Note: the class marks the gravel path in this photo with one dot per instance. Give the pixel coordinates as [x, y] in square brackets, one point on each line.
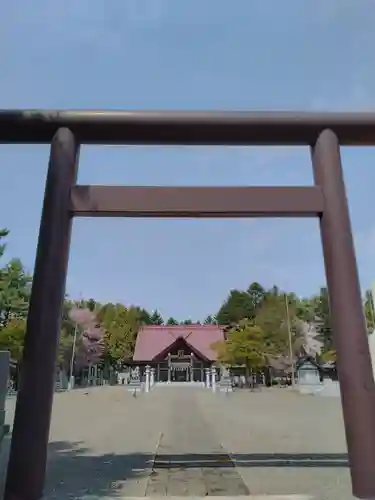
[190, 442]
[283, 442]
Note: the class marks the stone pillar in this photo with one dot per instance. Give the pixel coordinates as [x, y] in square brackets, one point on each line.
[89, 377]
[208, 378]
[58, 381]
[147, 384]
[152, 379]
[71, 383]
[169, 368]
[213, 374]
[347, 316]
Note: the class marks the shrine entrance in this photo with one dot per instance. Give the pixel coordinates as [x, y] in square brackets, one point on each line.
[63, 200]
[180, 372]
[181, 365]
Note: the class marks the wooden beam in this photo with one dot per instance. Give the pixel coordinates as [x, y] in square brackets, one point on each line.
[196, 202]
[35, 126]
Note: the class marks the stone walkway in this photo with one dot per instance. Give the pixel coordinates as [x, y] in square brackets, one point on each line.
[189, 442]
[189, 458]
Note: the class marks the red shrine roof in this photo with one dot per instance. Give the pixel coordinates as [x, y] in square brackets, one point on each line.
[154, 339]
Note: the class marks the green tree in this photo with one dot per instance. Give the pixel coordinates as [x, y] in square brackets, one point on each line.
[305, 309]
[328, 356]
[144, 316]
[14, 292]
[246, 344]
[272, 319]
[65, 350]
[14, 300]
[369, 311]
[91, 305]
[156, 318]
[322, 314]
[241, 304]
[67, 324]
[283, 332]
[12, 337]
[257, 295]
[121, 327]
[172, 321]
[3, 234]
[237, 306]
[209, 320]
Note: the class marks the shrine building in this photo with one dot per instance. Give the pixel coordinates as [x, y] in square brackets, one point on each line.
[178, 353]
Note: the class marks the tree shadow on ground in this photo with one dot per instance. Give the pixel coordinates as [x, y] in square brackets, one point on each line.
[73, 472]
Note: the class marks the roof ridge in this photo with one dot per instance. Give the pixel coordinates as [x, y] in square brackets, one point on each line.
[153, 339]
[172, 327]
[172, 335]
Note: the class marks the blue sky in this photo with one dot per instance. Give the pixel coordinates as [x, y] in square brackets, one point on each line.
[187, 54]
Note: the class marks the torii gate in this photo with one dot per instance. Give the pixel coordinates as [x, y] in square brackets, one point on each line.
[63, 200]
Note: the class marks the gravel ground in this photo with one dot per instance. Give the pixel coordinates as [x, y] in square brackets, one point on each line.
[102, 443]
[185, 442]
[283, 442]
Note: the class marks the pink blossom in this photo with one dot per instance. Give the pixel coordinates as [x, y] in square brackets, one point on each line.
[94, 333]
[91, 347]
[83, 317]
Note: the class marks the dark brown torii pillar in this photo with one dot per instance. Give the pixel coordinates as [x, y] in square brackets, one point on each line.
[28, 454]
[347, 316]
